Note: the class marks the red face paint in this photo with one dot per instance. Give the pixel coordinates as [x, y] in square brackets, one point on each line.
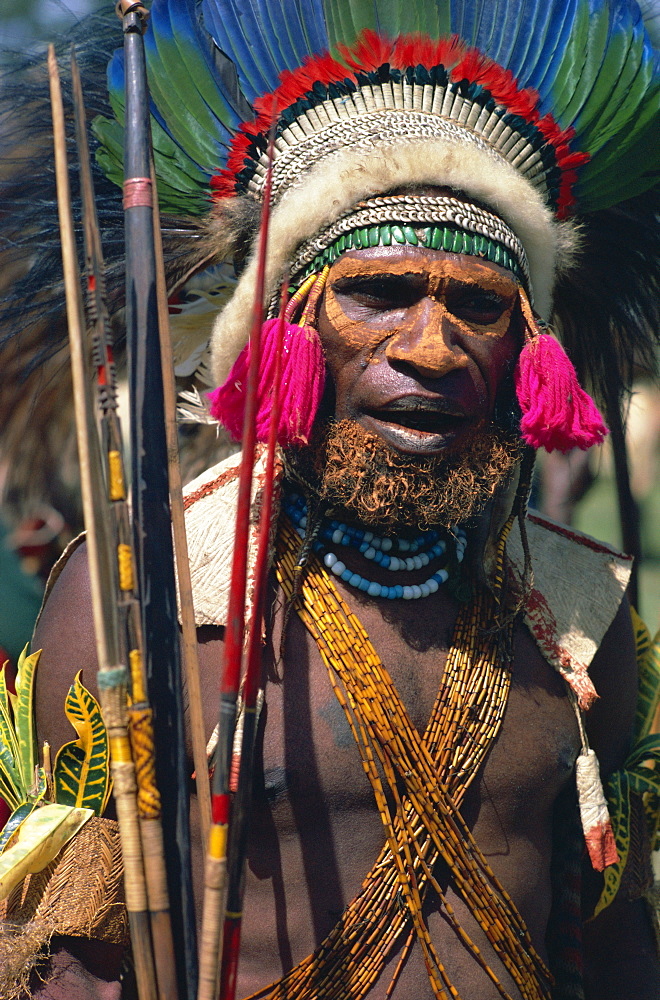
[418, 341]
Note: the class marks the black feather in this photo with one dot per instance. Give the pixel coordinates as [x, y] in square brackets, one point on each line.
[37, 443]
[607, 308]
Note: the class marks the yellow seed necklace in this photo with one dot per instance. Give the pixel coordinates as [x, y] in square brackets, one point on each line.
[427, 778]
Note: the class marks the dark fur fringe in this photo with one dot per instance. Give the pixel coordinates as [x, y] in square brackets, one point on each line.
[37, 447]
[607, 308]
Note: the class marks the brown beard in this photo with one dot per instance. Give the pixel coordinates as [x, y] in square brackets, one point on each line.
[353, 470]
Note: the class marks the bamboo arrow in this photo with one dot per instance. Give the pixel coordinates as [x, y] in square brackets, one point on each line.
[112, 675]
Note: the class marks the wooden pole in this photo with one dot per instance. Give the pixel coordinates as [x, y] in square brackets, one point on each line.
[112, 675]
[188, 630]
[240, 825]
[140, 712]
[152, 534]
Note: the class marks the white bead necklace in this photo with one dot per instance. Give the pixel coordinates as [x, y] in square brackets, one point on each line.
[391, 554]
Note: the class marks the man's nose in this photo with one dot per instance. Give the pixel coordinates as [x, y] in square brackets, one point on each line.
[427, 341]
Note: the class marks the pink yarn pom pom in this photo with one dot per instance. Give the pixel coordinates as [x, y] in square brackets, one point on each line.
[557, 412]
[303, 380]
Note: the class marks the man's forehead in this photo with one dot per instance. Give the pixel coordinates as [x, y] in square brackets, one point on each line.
[410, 260]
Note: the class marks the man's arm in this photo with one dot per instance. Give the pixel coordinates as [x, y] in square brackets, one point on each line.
[80, 969]
[621, 959]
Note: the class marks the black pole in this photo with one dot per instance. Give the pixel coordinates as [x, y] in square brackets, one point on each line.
[151, 513]
[629, 512]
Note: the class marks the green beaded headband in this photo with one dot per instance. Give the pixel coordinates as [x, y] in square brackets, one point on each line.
[436, 237]
[438, 222]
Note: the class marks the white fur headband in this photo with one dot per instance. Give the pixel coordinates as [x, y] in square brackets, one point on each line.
[343, 178]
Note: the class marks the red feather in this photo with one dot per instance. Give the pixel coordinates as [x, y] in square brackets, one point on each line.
[419, 50]
[368, 54]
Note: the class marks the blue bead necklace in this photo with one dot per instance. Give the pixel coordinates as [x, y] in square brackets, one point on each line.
[391, 554]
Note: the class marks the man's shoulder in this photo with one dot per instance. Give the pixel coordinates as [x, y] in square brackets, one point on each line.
[578, 586]
[210, 503]
[213, 482]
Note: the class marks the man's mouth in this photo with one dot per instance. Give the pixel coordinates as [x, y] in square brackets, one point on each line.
[414, 424]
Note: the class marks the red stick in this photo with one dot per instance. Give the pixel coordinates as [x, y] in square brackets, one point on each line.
[214, 880]
[241, 810]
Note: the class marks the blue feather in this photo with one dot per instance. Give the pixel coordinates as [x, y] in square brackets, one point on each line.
[531, 38]
[196, 53]
[279, 19]
[490, 28]
[465, 20]
[305, 26]
[242, 40]
[312, 21]
[115, 80]
[541, 76]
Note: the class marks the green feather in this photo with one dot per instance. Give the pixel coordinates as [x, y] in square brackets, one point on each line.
[602, 94]
[611, 178]
[568, 77]
[182, 186]
[591, 67]
[179, 101]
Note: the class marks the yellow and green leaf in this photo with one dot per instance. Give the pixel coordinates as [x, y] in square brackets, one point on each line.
[11, 786]
[23, 706]
[649, 690]
[648, 663]
[618, 798]
[14, 821]
[7, 732]
[81, 773]
[40, 838]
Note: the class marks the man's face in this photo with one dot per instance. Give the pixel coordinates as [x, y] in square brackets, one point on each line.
[417, 344]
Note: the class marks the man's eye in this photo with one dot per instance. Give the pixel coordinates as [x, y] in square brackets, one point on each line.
[478, 307]
[379, 293]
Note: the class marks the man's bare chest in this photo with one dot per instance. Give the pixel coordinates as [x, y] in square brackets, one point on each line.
[309, 753]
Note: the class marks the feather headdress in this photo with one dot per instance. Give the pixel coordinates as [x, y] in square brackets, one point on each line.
[543, 112]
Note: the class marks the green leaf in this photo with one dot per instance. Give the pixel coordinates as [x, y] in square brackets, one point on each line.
[11, 787]
[14, 821]
[8, 736]
[23, 705]
[618, 802]
[40, 839]
[649, 690]
[81, 773]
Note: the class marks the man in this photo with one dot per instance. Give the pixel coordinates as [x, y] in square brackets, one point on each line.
[420, 688]
[419, 344]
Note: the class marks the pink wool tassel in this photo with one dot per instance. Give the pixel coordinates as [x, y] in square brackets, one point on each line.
[303, 381]
[557, 412]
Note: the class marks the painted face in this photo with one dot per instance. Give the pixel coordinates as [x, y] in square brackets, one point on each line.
[417, 343]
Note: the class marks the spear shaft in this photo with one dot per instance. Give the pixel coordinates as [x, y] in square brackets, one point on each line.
[152, 525]
[112, 675]
[140, 712]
